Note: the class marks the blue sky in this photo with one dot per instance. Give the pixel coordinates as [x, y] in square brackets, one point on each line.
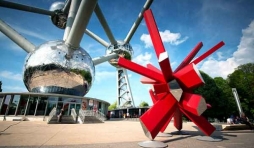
[182, 24]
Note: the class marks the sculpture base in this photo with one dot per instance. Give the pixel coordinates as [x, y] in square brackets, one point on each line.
[152, 144]
[208, 138]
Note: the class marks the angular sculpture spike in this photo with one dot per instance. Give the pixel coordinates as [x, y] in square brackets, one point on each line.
[189, 76]
[165, 66]
[190, 56]
[200, 121]
[154, 33]
[150, 66]
[145, 80]
[178, 121]
[209, 52]
[154, 119]
[140, 69]
[193, 103]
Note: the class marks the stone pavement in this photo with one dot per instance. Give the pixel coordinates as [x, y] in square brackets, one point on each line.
[111, 134]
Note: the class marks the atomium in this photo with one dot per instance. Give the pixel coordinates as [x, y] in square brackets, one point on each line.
[63, 67]
[48, 69]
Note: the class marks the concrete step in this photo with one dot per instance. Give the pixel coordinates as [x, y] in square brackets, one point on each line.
[65, 120]
[91, 119]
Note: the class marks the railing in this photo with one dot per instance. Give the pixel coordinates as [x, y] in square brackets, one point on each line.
[74, 114]
[88, 112]
[97, 114]
[51, 114]
[101, 116]
[82, 115]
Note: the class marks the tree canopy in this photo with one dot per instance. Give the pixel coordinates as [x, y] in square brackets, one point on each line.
[112, 106]
[243, 80]
[215, 96]
[143, 104]
[218, 92]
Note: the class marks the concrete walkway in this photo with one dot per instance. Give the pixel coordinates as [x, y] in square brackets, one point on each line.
[111, 134]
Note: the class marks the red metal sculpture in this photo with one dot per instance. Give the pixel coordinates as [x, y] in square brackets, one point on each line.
[166, 106]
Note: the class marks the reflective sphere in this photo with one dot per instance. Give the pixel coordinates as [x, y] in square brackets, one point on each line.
[48, 69]
[56, 6]
[123, 49]
[59, 19]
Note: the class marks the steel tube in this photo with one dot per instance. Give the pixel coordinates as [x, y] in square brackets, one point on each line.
[71, 16]
[17, 6]
[138, 21]
[104, 24]
[105, 58]
[82, 18]
[16, 37]
[97, 38]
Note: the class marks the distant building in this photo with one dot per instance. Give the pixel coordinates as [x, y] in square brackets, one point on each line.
[35, 105]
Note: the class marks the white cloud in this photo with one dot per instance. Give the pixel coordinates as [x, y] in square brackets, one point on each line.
[143, 59]
[220, 55]
[166, 36]
[244, 54]
[11, 75]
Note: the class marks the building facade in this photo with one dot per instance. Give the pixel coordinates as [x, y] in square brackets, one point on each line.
[41, 104]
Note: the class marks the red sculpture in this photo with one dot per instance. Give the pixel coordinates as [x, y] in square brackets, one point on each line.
[166, 106]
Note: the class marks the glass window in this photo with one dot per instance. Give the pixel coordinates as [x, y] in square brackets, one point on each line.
[42, 103]
[13, 105]
[52, 98]
[22, 104]
[78, 106]
[71, 106]
[5, 104]
[51, 105]
[31, 105]
[71, 100]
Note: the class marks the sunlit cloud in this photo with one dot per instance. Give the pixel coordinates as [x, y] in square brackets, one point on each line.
[143, 59]
[166, 36]
[11, 75]
[243, 54]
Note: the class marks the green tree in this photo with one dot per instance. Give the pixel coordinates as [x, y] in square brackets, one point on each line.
[112, 106]
[228, 100]
[213, 95]
[243, 80]
[143, 104]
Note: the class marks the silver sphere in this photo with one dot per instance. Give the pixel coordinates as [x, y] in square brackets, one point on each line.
[56, 6]
[59, 19]
[48, 69]
[122, 49]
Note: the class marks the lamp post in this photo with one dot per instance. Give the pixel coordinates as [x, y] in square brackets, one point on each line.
[237, 101]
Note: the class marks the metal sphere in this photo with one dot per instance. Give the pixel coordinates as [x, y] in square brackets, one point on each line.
[122, 49]
[48, 69]
[56, 6]
[59, 19]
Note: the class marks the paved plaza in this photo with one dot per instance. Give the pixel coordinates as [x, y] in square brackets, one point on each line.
[111, 134]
